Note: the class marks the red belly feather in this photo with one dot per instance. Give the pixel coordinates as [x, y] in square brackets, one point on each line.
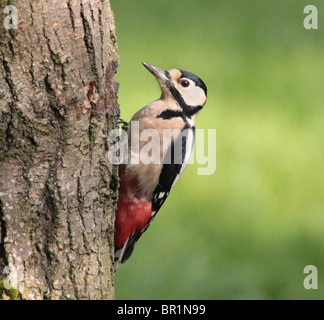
[134, 210]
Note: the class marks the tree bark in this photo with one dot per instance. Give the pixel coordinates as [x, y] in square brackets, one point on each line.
[58, 191]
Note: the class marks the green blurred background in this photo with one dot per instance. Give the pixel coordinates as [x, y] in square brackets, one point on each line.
[247, 231]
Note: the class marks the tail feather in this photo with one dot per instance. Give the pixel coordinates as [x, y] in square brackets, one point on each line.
[118, 257]
[126, 251]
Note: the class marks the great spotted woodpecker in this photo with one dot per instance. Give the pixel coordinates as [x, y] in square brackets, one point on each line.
[144, 185]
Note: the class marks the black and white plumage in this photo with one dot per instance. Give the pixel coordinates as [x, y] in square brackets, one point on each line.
[174, 163]
[145, 185]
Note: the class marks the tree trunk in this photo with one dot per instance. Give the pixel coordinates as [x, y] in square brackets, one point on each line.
[58, 191]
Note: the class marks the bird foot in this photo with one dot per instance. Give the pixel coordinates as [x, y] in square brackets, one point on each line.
[123, 123]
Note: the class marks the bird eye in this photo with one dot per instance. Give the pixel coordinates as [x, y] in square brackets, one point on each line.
[185, 83]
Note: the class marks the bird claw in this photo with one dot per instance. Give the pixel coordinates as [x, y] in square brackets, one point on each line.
[122, 121]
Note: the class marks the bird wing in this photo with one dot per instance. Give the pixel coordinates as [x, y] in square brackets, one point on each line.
[175, 160]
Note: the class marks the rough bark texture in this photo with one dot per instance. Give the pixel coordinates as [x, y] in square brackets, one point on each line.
[58, 191]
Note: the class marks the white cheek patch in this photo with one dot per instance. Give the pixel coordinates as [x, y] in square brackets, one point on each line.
[193, 95]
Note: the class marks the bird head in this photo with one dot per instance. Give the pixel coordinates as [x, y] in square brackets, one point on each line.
[183, 86]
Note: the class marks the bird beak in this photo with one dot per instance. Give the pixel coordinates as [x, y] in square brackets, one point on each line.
[157, 72]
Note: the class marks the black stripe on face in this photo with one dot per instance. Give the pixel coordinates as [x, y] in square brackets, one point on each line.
[188, 111]
[192, 110]
[177, 96]
[175, 93]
